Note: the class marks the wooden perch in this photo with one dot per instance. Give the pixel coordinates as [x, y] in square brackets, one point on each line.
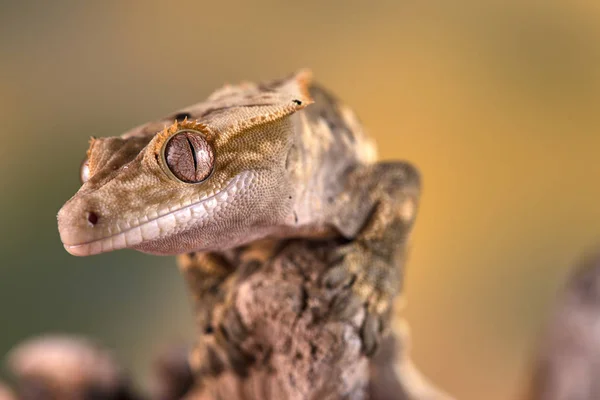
[278, 333]
[270, 330]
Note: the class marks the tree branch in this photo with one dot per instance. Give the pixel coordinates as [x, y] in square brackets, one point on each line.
[269, 330]
[281, 334]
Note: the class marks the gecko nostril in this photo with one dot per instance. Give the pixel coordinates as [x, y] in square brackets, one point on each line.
[92, 218]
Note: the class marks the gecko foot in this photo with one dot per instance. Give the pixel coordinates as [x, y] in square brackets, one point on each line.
[364, 279]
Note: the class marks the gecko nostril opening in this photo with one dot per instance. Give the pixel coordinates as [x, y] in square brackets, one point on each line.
[92, 218]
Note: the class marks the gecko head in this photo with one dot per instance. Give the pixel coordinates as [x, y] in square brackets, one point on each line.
[214, 180]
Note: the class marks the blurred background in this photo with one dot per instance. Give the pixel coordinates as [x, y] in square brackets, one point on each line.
[495, 101]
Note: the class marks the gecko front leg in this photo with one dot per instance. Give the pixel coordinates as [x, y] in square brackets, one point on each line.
[377, 211]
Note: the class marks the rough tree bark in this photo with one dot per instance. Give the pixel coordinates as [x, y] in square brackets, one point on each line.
[269, 329]
[279, 333]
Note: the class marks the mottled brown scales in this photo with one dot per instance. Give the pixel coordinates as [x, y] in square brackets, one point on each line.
[294, 182]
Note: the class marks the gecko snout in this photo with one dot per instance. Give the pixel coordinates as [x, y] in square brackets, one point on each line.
[79, 223]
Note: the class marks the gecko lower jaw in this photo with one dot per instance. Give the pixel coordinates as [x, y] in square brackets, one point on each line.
[169, 223]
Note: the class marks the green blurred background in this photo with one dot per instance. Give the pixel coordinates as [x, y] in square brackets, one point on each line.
[495, 101]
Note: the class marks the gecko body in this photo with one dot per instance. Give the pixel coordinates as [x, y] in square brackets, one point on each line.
[276, 161]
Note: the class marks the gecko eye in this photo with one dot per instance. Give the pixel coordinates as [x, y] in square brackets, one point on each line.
[84, 171]
[189, 156]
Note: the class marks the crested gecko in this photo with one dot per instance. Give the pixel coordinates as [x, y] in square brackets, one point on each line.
[276, 160]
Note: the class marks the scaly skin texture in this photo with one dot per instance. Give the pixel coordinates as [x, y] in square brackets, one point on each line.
[290, 162]
[284, 168]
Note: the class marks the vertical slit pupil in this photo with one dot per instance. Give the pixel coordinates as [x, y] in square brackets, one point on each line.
[177, 158]
[193, 153]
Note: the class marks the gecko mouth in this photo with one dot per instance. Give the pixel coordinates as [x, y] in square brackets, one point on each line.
[171, 222]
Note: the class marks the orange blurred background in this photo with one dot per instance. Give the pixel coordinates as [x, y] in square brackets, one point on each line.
[495, 101]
